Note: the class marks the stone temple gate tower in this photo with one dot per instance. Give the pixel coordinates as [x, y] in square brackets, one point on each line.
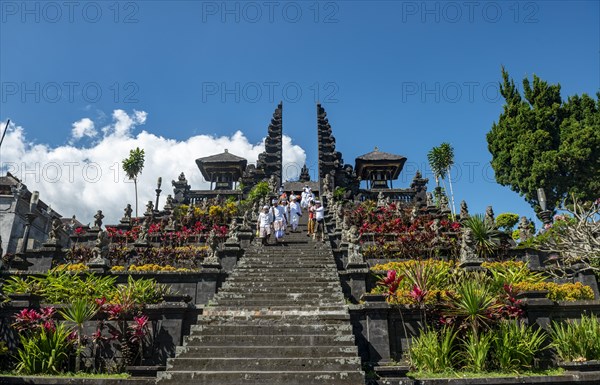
[270, 161]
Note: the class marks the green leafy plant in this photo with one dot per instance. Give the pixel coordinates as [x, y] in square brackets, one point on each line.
[139, 291]
[476, 350]
[78, 312]
[576, 341]
[486, 237]
[44, 352]
[259, 191]
[516, 345]
[434, 351]
[511, 273]
[473, 304]
[507, 221]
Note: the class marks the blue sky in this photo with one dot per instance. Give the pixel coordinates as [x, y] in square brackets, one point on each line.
[401, 75]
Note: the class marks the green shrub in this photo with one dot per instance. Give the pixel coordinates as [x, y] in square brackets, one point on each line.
[476, 351]
[486, 237]
[44, 352]
[511, 273]
[558, 291]
[516, 345]
[577, 340]
[434, 351]
[61, 287]
[507, 221]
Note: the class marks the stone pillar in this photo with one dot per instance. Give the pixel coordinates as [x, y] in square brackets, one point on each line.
[229, 255]
[377, 332]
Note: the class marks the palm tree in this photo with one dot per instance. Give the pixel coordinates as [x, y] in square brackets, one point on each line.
[441, 159]
[79, 312]
[133, 167]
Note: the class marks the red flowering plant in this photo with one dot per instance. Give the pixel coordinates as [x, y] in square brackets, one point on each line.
[30, 320]
[127, 335]
[392, 233]
[390, 283]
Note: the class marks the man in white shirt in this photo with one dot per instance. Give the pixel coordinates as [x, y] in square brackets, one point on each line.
[295, 212]
[263, 225]
[320, 218]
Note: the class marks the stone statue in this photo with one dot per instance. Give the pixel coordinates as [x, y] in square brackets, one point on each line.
[98, 220]
[169, 203]
[171, 223]
[489, 217]
[524, 229]
[327, 182]
[430, 202]
[346, 230]
[273, 184]
[436, 229]
[414, 214]
[143, 235]
[233, 232]
[127, 214]
[339, 213]
[100, 250]
[190, 211]
[380, 199]
[247, 221]
[53, 235]
[254, 213]
[355, 258]
[468, 252]
[464, 211]
[149, 208]
[72, 224]
[213, 247]
[444, 207]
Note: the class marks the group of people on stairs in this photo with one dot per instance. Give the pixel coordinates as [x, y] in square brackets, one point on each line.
[282, 215]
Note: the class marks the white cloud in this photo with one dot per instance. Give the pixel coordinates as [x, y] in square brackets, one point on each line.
[83, 127]
[80, 180]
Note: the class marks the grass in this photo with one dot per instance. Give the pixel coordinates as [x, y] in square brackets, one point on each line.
[422, 375]
[68, 375]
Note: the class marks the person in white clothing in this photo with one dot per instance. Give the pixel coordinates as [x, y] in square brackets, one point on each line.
[320, 218]
[304, 197]
[263, 225]
[279, 223]
[295, 212]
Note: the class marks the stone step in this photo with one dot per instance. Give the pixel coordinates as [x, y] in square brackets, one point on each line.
[250, 303]
[277, 265]
[263, 364]
[269, 268]
[280, 289]
[265, 351]
[287, 309]
[252, 318]
[287, 279]
[271, 329]
[274, 340]
[262, 377]
[297, 295]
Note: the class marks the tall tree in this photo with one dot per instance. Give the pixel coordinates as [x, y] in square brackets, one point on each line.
[542, 141]
[441, 159]
[133, 167]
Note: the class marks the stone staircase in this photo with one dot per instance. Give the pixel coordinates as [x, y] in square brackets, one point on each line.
[280, 318]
